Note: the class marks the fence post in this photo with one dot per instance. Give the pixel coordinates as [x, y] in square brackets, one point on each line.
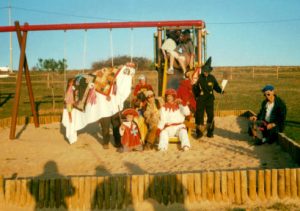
[244, 186]
[281, 185]
[217, 186]
[293, 183]
[224, 185]
[230, 185]
[268, 183]
[274, 183]
[252, 184]
[1, 189]
[298, 181]
[237, 187]
[261, 184]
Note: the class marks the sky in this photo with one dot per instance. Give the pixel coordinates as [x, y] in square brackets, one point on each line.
[241, 32]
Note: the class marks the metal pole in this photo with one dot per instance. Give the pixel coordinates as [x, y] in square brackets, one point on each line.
[199, 43]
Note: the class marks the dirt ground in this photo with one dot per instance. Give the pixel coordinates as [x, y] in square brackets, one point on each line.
[45, 152]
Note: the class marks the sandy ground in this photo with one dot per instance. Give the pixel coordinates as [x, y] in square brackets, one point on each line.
[45, 152]
[38, 151]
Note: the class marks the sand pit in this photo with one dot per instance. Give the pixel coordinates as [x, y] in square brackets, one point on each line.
[34, 148]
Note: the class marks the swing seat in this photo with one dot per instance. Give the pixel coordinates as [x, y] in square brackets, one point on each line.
[190, 125]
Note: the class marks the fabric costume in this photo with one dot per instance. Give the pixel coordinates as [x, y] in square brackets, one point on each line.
[203, 91]
[277, 116]
[131, 138]
[171, 124]
[185, 93]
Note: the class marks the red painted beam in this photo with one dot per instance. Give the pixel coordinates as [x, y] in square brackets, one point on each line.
[108, 25]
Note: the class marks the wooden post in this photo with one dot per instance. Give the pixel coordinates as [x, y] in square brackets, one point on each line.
[293, 183]
[23, 192]
[134, 189]
[121, 192]
[179, 195]
[252, 184]
[230, 185]
[146, 186]
[151, 187]
[8, 191]
[113, 193]
[18, 191]
[204, 185]
[159, 44]
[1, 189]
[298, 181]
[100, 192]
[35, 190]
[197, 177]
[52, 193]
[191, 187]
[107, 192]
[199, 50]
[261, 185]
[18, 83]
[287, 182]
[224, 186]
[41, 194]
[237, 187]
[165, 189]
[75, 198]
[244, 187]
[128, 197]
[172, 188]
[210, 186]
[141, 188]
[217, 189]
[281, 183]
[184, 188]
[268, 183]
[87, 192]
[274, 183]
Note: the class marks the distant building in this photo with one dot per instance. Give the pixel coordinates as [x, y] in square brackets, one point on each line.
[4, 72]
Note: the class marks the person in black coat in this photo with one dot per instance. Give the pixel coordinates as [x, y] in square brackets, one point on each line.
[203, 91]
[271, 117]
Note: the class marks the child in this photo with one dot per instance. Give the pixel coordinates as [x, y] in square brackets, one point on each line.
[131, 137]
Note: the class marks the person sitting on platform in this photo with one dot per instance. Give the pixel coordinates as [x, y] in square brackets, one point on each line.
[171, 123]
[131, 137]
[270, 119]
[151, 115]
[169, 46]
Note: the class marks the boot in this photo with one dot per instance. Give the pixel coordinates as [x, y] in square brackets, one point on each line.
[200, 129]
[210, 130]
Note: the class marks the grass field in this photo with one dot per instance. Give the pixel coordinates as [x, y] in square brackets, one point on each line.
[242, 92]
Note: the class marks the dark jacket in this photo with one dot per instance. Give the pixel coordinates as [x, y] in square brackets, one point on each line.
[278, 113]
[204, 87]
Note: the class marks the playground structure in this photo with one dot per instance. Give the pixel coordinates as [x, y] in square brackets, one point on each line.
[22, 32]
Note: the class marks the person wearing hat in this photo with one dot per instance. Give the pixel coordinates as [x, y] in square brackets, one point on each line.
[151, 116]
[171, 122]
[184, 53]
[129, 131]
[270, 119]
[203, 91]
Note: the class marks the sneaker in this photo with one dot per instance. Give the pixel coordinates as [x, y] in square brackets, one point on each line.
[170, 71]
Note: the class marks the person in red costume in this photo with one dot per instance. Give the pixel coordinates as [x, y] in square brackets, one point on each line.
[131, 137]
[142, 86]
[185, 92]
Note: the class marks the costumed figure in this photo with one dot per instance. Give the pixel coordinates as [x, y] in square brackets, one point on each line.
[185, 90]
[204, 93]
[171, 123]
[139, 98]
[129, 131]
[270, 120]
[152, 115]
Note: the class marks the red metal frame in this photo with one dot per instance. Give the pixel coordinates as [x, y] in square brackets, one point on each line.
[108, 25]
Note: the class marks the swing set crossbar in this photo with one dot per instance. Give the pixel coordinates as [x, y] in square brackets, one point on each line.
[107, 25]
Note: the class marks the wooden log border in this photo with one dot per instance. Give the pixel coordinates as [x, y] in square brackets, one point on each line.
[121, 191]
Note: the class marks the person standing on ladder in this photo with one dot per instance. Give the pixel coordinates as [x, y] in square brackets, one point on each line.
[203, 91]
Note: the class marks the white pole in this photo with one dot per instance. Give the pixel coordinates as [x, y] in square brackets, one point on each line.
[10, 39]
[84, 50]
[111, 48]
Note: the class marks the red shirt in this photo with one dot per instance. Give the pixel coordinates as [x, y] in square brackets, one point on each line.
[185, 93]
[139, 87]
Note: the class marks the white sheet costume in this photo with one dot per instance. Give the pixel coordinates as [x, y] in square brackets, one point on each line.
[102, 108]
[172, 124]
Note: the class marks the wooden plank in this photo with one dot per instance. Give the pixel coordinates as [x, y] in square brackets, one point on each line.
[100, 192]
[281, 183]
[128, 198]
[146, 186]
[252, 184]
[224, 185]
[274, 184]
[217, 187]
[18, 191]
[35, 190]
[121, 191]
[52, 193]
[93, 192]
[298, 181]
[268, 183]
[293, 183]
[197, 177]
[64, 192]
[210, 186]
[58, 198]
[287, 173]
[47, 193]
[151, 187]
[237, 187]
[244, 187]
[75, 198]
[261, 185]
[29, 197]
[191, 187]
[172, 179]
[230, 186]
[158, 188]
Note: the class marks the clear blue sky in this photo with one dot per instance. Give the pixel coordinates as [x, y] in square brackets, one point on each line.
[256, 32]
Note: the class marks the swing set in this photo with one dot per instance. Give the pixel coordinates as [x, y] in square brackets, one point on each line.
[199, 40]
